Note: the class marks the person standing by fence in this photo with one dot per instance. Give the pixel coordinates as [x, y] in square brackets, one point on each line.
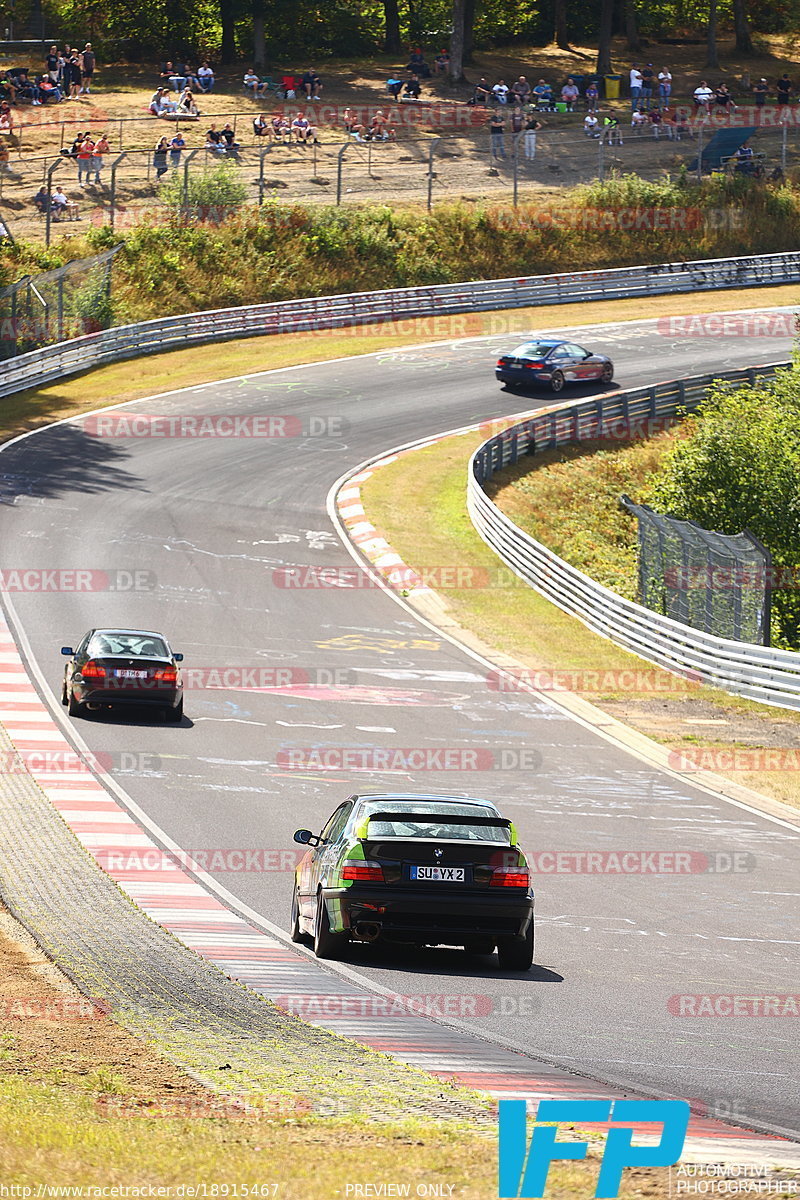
[85, 158]
[88, 64]
[497, 130]
[101, 147]
[176, 148]
[160, 157]
[532, 127]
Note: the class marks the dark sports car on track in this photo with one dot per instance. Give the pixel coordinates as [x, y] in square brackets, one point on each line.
[423, 870]
[547, 361]
[122, 666]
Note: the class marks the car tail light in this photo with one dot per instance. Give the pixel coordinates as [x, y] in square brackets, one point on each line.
[166, 675]
[363, 871]
[93, 670]
[533, 366]
[516, 879]
[501, 362]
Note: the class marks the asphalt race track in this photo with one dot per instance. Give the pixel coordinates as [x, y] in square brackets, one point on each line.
[215, 520]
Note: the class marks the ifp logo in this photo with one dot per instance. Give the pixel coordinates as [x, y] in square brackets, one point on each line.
[523, 1170]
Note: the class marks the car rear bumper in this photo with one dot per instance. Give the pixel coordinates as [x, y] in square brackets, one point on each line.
[509, 375]
[154, 697]
[431, 915]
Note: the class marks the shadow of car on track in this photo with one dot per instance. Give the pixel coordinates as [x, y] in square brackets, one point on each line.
[572, 391]
[144, 717]
[450, 962]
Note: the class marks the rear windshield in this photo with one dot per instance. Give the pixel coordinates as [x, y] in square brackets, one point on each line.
[133, 644]
[433, 827]
[533, 349]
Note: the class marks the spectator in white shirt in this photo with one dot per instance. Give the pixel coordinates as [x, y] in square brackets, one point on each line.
[590, 125]
[500, 92]
[205, 77]
[703, 95]
[638, 120]
[664, 85]
[636, 86]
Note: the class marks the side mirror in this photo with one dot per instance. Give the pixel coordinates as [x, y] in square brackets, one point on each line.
[67, 650]
[178, 657]
[306, 838]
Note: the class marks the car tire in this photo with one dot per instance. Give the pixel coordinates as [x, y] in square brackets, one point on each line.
[607, 373]
[326, 943]
[174, 715]
[64, 695]
[556, 382]
[516, 954]
[479, 946]
[295, 932]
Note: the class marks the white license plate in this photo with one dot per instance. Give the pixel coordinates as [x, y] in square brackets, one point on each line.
[439, 874]
[131, 674]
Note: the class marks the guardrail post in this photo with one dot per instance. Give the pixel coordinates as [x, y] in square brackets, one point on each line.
[700, 132]
[339, 159]
[515, 164]
[263, 152]
[600, 158]
[784, 131]
[192, 154]
[432, 150]
[49, 214]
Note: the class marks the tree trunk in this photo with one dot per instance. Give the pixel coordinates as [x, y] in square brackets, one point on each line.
[469, 30]
[391, 27]
[227, 50]
[744, 42]
[632, 26]
[457, 43]
[560, 14]
[712, 56]
[259, 48]
[604, 37]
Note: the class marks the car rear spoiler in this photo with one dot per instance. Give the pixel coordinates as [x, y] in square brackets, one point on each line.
[447, 818]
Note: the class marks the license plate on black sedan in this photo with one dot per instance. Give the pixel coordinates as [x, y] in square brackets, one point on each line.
[438, 874]
[131, 674]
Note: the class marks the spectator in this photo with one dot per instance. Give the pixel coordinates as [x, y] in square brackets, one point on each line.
[251, 82]
[636, 86]
[638, 120]
[647, 84]
[52, 64]
[280, 129]
[784, 89]
[664, 85]
[8, 88]
[59, 203]
[311, 84]
[85, 154]
[301, 130]
[500, 92]
[47, 91]
[724, 99]
[569, 94]
[260, 125]
[6, 119]
[612, 134]
[703, 96]
[591, 96]
[161, 105]
[5, 163]
[417, 64]
[590, 124]
[176, 147]
[42, 200]
[25, 88]
[205, 77]
[441, 64]
[71, 77]
[394, 87]
[229, 142]
[101, 147]
[160, 157]
[497, 131]
[743, 159]
[88, 65]
[532, 127]
[381, 128]
[186, 73]
[412, 88]
[186, 104]
[521, 90]
[544, 95]
[655, 121]
[215, 141]
[760, 91]
[482, 92]
[170, 74]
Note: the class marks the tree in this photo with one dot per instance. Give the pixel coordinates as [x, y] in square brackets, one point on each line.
[744, 42]
[632, 26]
[227, 16]
[560, 15]
[604, 37]
[712, 56]
[469, 29]
[259, 47]
[391, 27]
[457, 42]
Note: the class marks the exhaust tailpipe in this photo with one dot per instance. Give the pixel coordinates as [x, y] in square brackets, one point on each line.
[367, 931]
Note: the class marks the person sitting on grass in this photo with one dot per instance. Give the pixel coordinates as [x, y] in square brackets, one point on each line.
[590, 124]
[301, 130]
[656, 121]
[638, 120]
[417, 64]
[186, 104]
[160, 103]
[412, 88]
[381, 129]
[232, 147]
[48, 91]
[311, 84]
[280, 130]
[260, 125]
[543, 94]
[205, 77]
[59, 203]
[441, 64]
[570, 94]
[215, 140]
[251, 82]
[482, 92]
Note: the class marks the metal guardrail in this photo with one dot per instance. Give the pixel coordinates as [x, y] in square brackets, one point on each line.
[329, 312]
[757, 672]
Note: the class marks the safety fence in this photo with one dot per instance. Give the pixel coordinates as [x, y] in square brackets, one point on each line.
[332, 312]
[757, 672]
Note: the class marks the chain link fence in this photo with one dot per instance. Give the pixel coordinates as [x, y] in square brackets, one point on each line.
[718, 583]
[72, 300]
